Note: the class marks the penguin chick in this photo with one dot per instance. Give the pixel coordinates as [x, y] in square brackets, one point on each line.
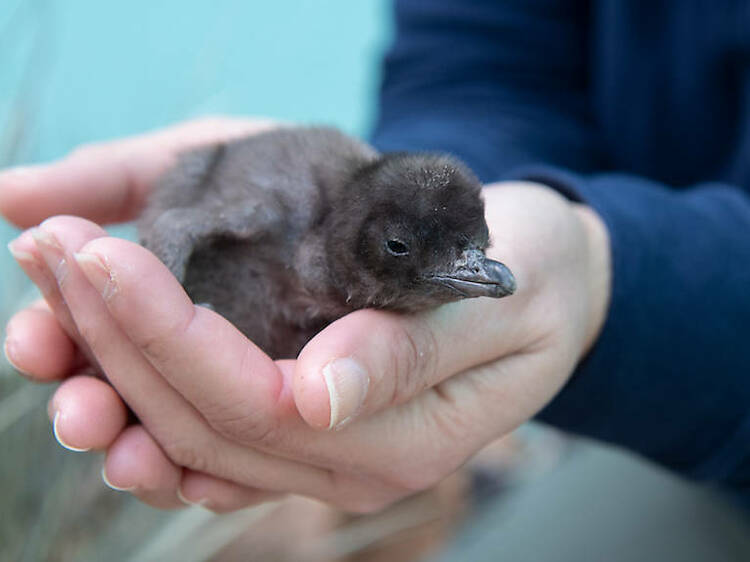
[285, 231]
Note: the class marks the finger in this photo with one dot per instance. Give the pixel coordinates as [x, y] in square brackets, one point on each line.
[26, 252]
[107, 182]
[370, 360]
[178, 427]
[240, 391]
[220, 495]
[37, 346]
[135, 463]
[87, 413]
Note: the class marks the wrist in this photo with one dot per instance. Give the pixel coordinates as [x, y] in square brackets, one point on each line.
[598, 272]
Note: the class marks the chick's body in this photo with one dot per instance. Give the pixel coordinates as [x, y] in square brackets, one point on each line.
[283, 232]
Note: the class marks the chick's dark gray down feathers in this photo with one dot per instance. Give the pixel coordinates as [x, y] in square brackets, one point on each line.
[286, 231]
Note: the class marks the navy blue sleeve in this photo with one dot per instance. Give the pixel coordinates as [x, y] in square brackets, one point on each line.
[503, 86]
[669, 376]
[513, 79]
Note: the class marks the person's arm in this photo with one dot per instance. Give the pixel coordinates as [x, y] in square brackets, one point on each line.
[670, 374]
[499, 84]
[505, 89]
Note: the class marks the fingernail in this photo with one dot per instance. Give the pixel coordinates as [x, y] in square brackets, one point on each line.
[35, 268]
[60, 439]
[347, 384]
[18, 254]
[46, 239]
[52, 253]
[98, 273]
[109, 484]
[203, 503]
[9, 348]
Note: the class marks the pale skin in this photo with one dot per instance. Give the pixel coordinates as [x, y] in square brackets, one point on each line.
[223, 425]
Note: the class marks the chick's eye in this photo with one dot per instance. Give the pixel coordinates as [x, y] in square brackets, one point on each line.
[396, 247]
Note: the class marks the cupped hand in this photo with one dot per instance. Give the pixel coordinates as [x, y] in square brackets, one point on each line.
[410, 397]
[106, 183]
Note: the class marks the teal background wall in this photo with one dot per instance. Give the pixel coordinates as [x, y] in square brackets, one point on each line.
[78, 71]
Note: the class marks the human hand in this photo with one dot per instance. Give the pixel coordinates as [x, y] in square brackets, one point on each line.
[107, 183]
[430, 404]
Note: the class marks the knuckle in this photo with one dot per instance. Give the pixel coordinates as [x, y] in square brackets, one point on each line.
[187, 453]
[159, 344]
[456, 433]
[416, 359]
[211, 122]
[243, 428]
[207, 120]
[86, 151]
[204, 129]
[450, 419]
[458, 423]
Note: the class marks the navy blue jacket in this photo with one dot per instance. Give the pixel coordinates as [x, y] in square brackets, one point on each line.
[641, 109]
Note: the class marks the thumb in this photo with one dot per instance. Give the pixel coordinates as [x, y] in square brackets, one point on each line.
[370, 360]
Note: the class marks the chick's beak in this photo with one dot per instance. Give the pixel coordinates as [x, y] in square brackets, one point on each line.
[475, 275]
